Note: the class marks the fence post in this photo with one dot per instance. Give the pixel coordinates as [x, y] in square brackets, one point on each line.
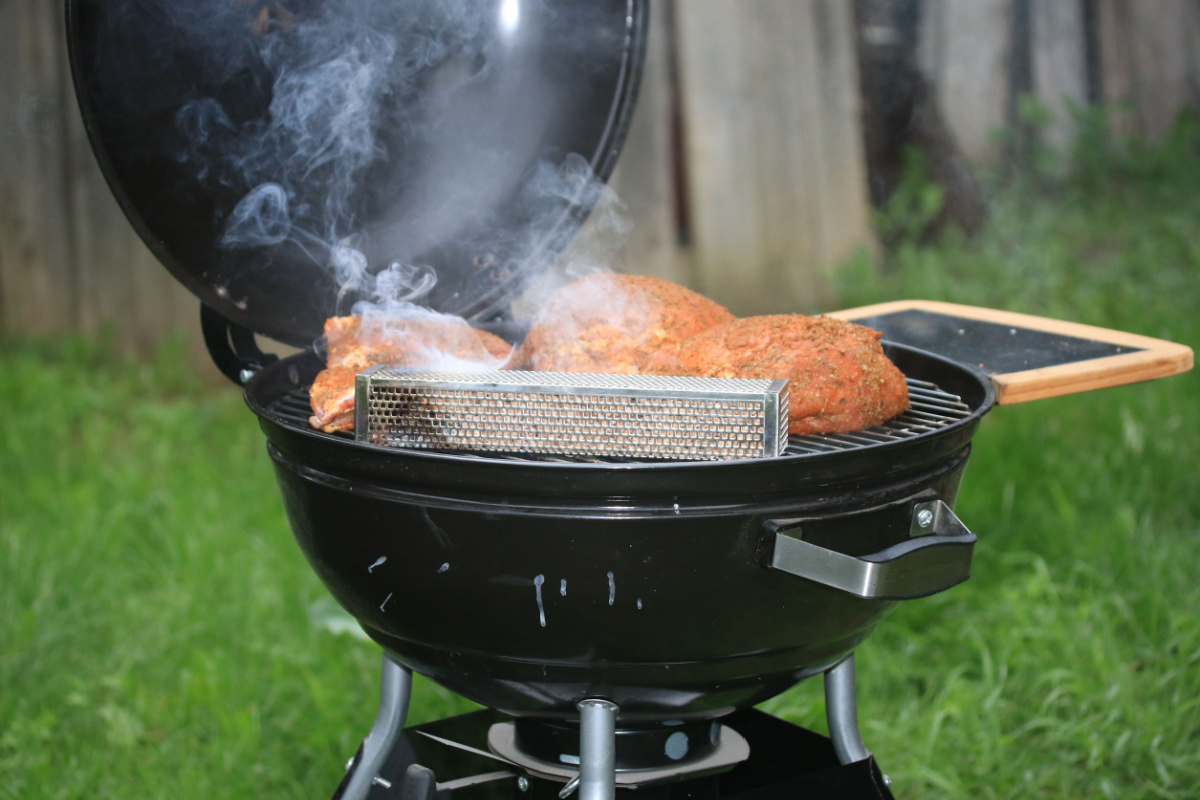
[1148, 62]
[1060, 73]
[37, 286]
[643, 178]
[775, 163]
[966, 51]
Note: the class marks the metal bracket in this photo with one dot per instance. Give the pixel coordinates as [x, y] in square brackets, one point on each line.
[232, 348]
[420, 783]
[395, 689]
[936, 557]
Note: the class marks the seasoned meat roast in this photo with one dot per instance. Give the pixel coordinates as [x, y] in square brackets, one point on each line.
[418, 342]
[354, 343]
[615, 324]
[332, 399]
[841, 380]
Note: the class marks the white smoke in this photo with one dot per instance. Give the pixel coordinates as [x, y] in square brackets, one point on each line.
[340, 70]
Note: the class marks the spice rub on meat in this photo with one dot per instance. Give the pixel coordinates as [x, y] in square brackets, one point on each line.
[841, 380]
[353, 344]
[610, 323]
[332, 399]
[417, 342]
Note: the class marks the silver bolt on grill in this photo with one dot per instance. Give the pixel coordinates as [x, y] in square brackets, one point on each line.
[573, 414]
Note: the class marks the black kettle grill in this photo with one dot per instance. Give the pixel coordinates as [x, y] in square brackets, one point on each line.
[619, 620]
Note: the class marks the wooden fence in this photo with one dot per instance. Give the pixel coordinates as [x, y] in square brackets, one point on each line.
[1139, 59]
[744, 173]
[751, 111]
[68, 258]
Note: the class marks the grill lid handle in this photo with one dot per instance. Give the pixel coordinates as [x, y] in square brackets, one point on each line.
[232, 347]
[937, 557]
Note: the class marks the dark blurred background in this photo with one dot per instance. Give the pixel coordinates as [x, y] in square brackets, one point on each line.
[765, 134]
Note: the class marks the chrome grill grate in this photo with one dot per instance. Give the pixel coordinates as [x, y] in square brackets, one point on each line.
[931, 410]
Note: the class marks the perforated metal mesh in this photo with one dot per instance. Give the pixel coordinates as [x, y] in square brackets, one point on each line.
[618, 416]
[932, 409]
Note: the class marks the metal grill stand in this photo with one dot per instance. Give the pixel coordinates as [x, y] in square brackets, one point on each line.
[841, 710]
[786, 761]
[395, 689]
[597, 750]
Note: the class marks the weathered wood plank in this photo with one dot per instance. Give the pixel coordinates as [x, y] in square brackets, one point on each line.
[1150, 64]
[644, 179]
[1059, 56]
[1116, 64]
[774, 148]
[966, 51]
[844, 204]
[37, 285]
[1161, 54]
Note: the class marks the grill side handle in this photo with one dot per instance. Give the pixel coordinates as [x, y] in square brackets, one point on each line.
[935, 556]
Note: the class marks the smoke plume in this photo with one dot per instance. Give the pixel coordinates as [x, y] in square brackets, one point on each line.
[365, 158]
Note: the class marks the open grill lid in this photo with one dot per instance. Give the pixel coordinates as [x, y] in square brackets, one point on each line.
[249, 141]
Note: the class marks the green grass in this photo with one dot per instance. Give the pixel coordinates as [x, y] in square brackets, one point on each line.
[155, 632]
[161, 635]
[1069, 665]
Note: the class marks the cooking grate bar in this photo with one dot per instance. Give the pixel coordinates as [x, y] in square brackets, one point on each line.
[798, 448]
[917, 415]
[952, 411]
[941, 398]
[922, 418]
[910, 429]
[925, 391]
[843, 441]
[931, 409]
[294, 405]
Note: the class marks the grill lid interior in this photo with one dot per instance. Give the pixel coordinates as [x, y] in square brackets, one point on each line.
[246, 142]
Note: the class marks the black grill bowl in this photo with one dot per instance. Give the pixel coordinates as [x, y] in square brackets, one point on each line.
[456, 564]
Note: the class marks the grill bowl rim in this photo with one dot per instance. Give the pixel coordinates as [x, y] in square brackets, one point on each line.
[969, 382]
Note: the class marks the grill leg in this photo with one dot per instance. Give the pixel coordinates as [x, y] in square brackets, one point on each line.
[395, 687]
[841, 709]
[597, 750]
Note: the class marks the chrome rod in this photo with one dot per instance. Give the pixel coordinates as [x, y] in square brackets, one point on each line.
[597, 750]
[841, 710]
[395, 688]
